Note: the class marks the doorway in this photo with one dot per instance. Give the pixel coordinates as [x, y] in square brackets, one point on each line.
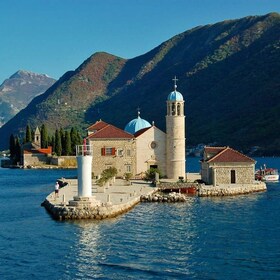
[232, 177]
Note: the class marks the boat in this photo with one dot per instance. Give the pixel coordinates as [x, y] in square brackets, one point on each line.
[267, 174]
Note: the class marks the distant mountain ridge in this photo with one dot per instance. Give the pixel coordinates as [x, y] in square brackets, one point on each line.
[228, 74]
[17, 91]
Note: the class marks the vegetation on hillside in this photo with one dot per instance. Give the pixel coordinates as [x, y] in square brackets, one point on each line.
[228, 74]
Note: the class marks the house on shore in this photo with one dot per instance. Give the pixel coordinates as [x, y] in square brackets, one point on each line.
[224, 165]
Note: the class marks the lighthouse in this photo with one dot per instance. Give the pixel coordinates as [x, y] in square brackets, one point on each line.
[175, 135]
[84, 162]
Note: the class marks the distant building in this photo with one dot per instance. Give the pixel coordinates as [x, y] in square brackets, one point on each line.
[141, 146]
[223, 165]
[33, 154]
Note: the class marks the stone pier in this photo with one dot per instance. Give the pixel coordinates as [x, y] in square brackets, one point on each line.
[107, 202]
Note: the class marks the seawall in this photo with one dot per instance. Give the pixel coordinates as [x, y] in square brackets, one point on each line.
[107, 202]
[234, 189]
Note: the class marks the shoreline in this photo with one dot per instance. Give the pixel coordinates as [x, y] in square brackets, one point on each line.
[120, 197]
[106, 202]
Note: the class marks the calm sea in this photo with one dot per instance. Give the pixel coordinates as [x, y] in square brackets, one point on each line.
[204, 238]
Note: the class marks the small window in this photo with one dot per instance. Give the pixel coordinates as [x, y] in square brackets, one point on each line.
[119, 152]
[128, 168]
[128, 152]
[108, 151]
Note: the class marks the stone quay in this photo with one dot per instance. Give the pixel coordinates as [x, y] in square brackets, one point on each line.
[106, 202]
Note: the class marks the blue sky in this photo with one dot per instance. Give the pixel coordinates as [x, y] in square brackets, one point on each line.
[55, 36]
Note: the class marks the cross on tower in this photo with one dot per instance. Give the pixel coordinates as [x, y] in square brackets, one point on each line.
[175, 80]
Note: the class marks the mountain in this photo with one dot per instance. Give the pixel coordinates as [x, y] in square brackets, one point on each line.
[17, 91]
[228, 74]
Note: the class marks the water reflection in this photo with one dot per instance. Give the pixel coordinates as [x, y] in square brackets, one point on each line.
[177, 241]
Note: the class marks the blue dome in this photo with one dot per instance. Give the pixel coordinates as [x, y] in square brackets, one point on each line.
[136, 124]
[175, 96]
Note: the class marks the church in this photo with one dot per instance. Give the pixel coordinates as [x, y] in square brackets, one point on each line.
[141, 145]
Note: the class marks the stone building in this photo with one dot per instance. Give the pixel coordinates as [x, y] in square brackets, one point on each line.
[141, 146]
[33, 154]
[223, 165]
[111, 147]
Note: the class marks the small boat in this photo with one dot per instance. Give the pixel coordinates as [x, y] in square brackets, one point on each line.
[267, 174]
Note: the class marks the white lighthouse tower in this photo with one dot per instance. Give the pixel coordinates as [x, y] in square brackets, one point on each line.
[84, 161]
[175, 135]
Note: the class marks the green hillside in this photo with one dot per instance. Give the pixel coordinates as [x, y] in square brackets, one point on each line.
[228, 73]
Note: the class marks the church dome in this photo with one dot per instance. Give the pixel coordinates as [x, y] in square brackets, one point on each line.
[175, 96]
[136, 124]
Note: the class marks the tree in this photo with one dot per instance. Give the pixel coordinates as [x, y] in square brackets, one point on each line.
[17, 151]
[150, 174]
[58, 145]
[44, 136]
[28, 136]
[12, 147]
[52, 141]
[107, 175]
[76, 139]
[68, 150]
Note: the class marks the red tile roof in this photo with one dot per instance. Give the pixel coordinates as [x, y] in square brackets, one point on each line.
[213, 150]
[110, 132]
[230, 155]
[45, 151]
[97, 125]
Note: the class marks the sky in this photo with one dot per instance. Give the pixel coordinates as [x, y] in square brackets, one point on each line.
[54, 36]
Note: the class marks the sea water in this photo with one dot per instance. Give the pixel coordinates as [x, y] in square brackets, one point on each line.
[204, 238]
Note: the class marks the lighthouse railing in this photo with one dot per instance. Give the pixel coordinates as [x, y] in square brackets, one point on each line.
[84, 150]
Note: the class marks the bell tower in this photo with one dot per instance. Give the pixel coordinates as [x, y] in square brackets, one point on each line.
[175, 135]
[37, 138]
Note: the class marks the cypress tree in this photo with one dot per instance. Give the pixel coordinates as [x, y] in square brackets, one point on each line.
[53, 143]
[62, 137]
[12, 147]
[68, 150]
[44, 136]
[75, 140]
[58, 145]
[28, 136]
[17, 151]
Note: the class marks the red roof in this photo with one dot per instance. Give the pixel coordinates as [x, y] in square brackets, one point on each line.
[97, 125]
[110, 132]
[45, 151]
[229, 155]
[213, 150]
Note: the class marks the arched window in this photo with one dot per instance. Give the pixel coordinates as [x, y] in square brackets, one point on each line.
[173, 109]
[178, 109]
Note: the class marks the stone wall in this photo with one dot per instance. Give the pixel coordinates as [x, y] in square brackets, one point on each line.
[64, 161]
[227, 190]
[244, 173]
[151, 150]
[35, 159]
[99, 212]
[121, 160]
